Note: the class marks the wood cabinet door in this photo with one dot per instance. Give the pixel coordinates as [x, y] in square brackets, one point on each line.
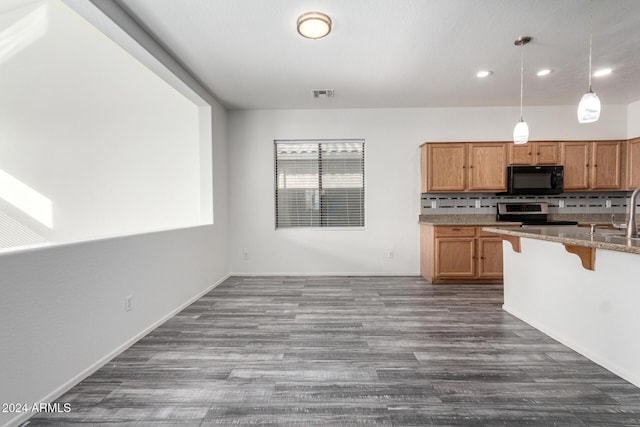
[424, 187]
[521, 154]
[633, 164]
[455, 257]
[546, 153]
[574, 156]
[605, 158]
[490, 257]
[487, 166]
[446, 167]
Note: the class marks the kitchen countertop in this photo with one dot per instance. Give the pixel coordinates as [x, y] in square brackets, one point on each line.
[471, 220]
[613, 240]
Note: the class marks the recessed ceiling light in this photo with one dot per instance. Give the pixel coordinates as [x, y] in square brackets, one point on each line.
[602, 72]
[544, 72]
[483, 73]
[314, 25]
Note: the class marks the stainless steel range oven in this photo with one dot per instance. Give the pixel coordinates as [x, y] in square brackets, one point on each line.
[529, 213]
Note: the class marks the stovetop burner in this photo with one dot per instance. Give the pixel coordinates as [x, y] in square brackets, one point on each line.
[530, 213]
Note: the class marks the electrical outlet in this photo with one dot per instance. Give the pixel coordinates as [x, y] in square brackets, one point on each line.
[391, 255]
[434, 204]
[128, 303]
[561, 203]
[245, 256]
[478, 204]
[607, 203]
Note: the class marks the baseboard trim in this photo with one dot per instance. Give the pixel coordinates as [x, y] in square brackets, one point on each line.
[341, 274]
[54, 395]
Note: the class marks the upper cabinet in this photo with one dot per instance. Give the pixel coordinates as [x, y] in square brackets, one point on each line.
[487, 163]
[444, 167]
[607, 159]
[574, 156]
[633, 164]
[454, 167]
[591, 165]
[534, 153]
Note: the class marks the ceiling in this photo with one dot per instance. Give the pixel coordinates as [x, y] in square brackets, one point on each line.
[399, 53]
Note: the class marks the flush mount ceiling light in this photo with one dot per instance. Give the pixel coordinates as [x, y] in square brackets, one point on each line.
[483, 73]
[589, 106]
[314, 25]
[521, 130]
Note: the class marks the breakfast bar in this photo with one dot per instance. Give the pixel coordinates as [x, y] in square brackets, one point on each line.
[580, 287]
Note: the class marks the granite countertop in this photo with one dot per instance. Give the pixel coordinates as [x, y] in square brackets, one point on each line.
[470, 220]
[613, 240]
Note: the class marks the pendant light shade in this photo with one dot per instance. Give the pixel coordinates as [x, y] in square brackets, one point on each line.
[521, 130]
[589, 106]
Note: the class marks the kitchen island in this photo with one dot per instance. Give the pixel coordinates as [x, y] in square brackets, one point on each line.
[579, 288]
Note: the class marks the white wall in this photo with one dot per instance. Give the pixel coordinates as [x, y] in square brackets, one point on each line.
[633, 120]
[392, 137]
[62, 308]
[110, 144]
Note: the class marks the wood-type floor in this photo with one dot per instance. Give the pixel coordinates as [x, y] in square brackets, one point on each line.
[348, 351]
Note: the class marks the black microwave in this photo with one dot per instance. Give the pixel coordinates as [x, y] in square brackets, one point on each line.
[535, 179]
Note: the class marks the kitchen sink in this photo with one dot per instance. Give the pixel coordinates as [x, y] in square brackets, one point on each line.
[620, 238]
[603, 235]
[608, 232]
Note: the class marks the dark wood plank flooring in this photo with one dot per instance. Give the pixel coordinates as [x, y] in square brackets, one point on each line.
[346, 351]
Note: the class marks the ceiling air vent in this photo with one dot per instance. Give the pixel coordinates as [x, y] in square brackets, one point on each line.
[323, 93]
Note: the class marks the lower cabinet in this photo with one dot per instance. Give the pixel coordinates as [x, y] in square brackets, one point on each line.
[490, 257]
[459, 253]
[455, 257]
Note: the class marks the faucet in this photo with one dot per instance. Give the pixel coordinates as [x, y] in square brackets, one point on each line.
[632, 228]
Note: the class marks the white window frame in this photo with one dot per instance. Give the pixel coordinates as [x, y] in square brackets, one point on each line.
[322, 218]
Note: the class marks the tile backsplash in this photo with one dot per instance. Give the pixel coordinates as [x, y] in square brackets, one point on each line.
[485, 203]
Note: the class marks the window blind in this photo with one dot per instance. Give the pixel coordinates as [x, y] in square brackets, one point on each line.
[319, 183]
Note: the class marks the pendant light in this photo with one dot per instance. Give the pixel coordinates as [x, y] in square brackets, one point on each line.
[589, 106]
[521, 130]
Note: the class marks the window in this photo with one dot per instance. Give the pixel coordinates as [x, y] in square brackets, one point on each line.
[319, 183]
